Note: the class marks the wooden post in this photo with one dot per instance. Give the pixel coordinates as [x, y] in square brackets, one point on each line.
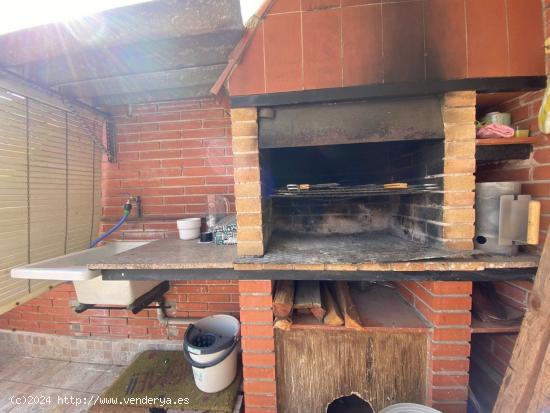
[526, 384]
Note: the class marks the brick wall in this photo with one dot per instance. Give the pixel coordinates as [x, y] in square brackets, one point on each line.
[446, 306]
[52, 312]
[533, 173]
[172, 154]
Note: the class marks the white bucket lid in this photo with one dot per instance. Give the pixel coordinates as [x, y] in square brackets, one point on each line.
[408, 408]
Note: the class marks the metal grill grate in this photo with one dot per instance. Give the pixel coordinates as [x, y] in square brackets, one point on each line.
[338, 191]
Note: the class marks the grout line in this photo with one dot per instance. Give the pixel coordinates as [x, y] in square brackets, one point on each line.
[302, 45]
[263, 53]
[382, 43]
[425, 52]
[466, 39]
[341, 18]
[508, 63]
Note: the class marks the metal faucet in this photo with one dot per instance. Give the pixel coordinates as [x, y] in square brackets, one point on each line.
[134, 199]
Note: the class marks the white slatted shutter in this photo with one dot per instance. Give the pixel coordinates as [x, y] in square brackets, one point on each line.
[50, 173]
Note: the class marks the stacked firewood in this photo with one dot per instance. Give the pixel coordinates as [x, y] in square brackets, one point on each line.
[329, 302]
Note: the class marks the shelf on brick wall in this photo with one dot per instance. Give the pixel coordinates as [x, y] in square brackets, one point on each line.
[508, 141]
[380, 309]
[505, 149]
[494, 326]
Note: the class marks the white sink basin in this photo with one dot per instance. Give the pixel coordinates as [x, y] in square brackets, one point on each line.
[90, 288]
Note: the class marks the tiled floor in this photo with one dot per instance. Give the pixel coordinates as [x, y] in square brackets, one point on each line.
[39, 385]
[29, 385]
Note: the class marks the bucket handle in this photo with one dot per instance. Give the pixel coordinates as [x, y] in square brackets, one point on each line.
[212, 362]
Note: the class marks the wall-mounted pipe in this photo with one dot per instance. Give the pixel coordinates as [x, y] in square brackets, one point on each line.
[164, 320]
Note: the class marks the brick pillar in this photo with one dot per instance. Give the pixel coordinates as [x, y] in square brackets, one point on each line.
[248, 188]
[459, 113]
[258, 346]
[446, 306]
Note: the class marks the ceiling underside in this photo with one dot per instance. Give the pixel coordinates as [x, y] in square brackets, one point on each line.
[160, 50]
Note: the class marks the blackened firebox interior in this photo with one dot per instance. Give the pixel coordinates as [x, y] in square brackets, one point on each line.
[409, 215]
[325, 183]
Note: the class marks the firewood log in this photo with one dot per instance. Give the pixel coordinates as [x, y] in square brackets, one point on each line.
[346, 304]
[333, 317]
[283, 323]
[283, 299]
[308, 296]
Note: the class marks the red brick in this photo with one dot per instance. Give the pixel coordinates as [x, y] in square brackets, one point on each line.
[181, 125]
[448, 287]
[217, 298]
[258, 359]
[259, 387]
[191, 306]
[158, 117]
[157, 173]
[259, 401]
[156, 136]
[137, 146]
[261, 409]
[252, 316]
[160, 154]
[252, 330]
[223, 307]
[179, 105]
[94, 329]
[127, 330]
[257, 344]
[256, 300]
[203, 133]
[450, 380]
[203, 114]
[450, 407]
[450, 365]
[170, 163]
[108, 321]
[259, 373]
[450, 350]
[255, 287]
[439, 394]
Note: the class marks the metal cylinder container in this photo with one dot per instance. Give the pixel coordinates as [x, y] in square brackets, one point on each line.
[487, 215]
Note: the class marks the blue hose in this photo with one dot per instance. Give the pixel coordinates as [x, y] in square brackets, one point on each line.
[117, 226]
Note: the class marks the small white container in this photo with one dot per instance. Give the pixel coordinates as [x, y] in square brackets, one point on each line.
[189, 228]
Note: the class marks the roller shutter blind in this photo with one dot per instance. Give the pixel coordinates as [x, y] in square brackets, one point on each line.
[50, 174]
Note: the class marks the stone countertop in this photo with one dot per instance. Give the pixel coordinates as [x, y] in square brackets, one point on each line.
[177, 255]
[171, 254]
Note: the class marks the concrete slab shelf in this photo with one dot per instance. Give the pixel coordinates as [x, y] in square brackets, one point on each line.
[173, 259]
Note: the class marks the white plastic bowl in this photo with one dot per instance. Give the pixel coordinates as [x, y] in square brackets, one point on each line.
[189, 228]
